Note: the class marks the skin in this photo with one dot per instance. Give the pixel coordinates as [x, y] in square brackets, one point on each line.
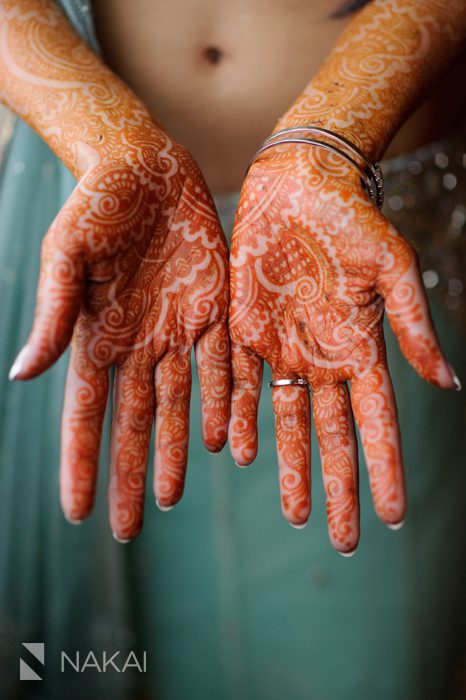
[328, 338]
[384, 63]
[268, 50]
[133, 271]
[313, 264]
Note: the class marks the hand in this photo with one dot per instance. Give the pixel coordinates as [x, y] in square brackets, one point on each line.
[134, 267]
[313, 264]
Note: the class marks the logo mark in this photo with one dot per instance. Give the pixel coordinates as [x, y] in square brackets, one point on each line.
[37, 649]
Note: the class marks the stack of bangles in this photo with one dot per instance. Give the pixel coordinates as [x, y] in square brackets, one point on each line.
[371, 175]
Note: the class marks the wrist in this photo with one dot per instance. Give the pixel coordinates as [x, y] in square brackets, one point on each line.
[66, 93]
[333, 152]
[356, 133]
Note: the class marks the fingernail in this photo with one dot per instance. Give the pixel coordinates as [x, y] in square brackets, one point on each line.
[454, 376]
[241, 466]
[162, 508]
[72, 521]
[118, 539]
[395, 526]
[347, 554]
[18, 364]
[299, 526]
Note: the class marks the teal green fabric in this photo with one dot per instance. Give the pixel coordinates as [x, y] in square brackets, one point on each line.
[226, 598]
[79, 13]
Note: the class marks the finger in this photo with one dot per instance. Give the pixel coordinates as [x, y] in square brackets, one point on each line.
[291, 407]
[333, 420]
[407, 308]
[86, 395]
[374, 408]
[213, 366]
[59, 295]
[133, 414]
[172, 396]
[246, 370]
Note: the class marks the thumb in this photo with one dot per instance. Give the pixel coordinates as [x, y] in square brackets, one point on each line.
[59, 296]
[407, 309]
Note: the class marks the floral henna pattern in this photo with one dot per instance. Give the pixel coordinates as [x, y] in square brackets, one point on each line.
[292, 428]
[134, 271]
[381, 67]
[312, 262]
[338, 449]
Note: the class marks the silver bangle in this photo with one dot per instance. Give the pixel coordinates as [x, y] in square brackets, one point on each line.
[371, 174]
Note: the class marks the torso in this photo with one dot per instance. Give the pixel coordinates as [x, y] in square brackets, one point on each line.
[217, 75]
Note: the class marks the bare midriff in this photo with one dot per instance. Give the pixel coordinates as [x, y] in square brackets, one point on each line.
[217, 74]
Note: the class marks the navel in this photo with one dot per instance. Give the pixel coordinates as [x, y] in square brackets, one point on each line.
[212, 54]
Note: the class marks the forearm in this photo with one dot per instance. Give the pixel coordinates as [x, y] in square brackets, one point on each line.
[380, 69]
[55, 82]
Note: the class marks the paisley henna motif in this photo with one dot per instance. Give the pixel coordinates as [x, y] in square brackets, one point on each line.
[134, 271]
[313, 264]
[312, 261]
[382, 65]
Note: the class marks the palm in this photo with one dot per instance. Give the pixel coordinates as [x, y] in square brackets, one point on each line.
[311, 262]
[135, 268]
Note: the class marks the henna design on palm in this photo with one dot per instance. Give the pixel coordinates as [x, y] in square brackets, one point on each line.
[312, 264]
[134, 272]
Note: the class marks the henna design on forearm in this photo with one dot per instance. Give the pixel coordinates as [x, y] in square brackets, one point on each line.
[314, 263]
[383, 64]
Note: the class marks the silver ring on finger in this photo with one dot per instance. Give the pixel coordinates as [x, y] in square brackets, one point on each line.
[288, 382]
